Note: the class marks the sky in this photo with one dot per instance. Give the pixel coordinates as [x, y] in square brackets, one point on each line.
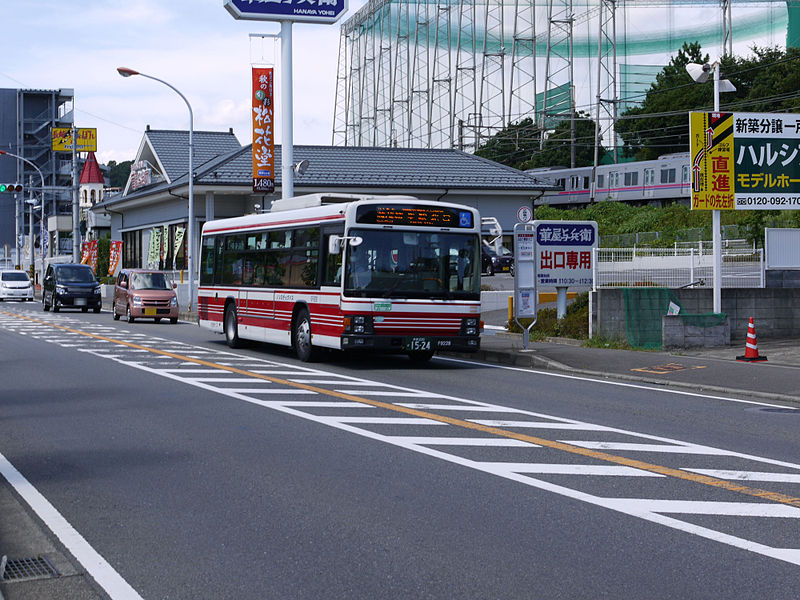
[195, 45]
[198, 47]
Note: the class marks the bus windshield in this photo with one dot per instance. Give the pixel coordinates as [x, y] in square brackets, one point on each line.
[413, 264]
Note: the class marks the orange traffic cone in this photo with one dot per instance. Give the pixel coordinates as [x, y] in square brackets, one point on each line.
[751, 346]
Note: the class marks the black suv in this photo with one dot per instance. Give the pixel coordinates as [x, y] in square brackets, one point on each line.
[492, 263]
[71, 286]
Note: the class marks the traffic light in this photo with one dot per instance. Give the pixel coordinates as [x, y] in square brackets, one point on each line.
[10, 187]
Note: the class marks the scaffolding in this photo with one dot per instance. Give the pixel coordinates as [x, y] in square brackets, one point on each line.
[452, 73]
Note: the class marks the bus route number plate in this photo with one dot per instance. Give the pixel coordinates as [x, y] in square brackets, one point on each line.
[418, 343]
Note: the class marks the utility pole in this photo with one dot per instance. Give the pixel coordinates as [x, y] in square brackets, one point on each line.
[76, 226]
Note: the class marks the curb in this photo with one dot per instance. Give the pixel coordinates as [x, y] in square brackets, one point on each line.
[522, 358]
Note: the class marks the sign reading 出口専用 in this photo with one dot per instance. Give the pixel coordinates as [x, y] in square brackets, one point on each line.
[563, 254]
[263, 130]
[745, 161]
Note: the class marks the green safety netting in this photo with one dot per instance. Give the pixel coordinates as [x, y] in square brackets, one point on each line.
[644, 308]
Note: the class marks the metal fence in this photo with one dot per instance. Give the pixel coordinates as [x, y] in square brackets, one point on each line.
[682, 236]
[677, 267]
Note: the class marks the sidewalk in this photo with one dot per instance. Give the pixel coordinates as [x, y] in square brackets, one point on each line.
[714, 370]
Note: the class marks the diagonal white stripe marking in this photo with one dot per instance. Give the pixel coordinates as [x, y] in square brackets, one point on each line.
[621, 446]
[460, 441]
[556, 469]
[462, 407]
[748, 475]
[701, 507]
[541, 425]
[381, 420]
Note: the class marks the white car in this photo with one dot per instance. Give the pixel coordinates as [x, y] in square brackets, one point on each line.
[15, 285]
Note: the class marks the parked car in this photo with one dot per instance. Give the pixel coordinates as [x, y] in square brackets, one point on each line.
[71, 286]
[492, 263]
[15, 285]
[143, 293]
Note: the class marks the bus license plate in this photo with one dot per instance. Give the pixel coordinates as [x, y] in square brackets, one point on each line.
[418, 343]
[150, 312]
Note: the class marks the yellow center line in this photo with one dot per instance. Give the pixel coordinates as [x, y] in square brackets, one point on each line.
[553, 444]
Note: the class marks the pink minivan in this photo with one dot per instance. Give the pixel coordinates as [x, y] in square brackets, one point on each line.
[143, 293]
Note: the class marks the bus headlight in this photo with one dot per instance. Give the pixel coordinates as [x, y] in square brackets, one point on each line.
[470, 326]
[361, 324]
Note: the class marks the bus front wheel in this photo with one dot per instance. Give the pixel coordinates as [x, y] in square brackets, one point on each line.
[301, 337]
[232, 327]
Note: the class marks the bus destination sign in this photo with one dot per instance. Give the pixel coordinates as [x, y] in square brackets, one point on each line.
[416, 216]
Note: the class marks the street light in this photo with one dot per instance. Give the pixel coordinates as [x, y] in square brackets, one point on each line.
[41, 177]
[701, 73]
[126, 72]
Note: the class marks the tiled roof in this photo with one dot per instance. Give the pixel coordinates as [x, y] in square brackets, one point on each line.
[171, 148]
[353, 166]
[221, 161]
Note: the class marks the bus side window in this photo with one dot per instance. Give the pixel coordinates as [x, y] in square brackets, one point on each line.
[332, 274]
[207, 257]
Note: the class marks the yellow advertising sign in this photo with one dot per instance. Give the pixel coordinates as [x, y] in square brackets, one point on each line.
[62, 139]
[712, 155]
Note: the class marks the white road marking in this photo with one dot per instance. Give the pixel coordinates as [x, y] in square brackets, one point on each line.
[541, 425]
[461, 407]
[557, 469]
[97, 566]
[747, 475]
[700, 507]
[460, 441]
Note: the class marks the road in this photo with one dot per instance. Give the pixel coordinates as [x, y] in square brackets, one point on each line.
[177, 468]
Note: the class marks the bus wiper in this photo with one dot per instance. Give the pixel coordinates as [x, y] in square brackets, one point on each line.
[393, 287]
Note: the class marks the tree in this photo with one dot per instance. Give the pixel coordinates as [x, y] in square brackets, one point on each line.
[557, 150]
[119, 173]
[767, 81]
[513, 145]
[518, 145]
[668, 100]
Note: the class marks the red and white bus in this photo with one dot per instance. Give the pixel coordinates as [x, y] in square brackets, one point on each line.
[348, 272]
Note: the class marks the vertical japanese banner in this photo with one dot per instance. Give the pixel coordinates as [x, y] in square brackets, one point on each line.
[93, 255]
[711, 146]
[164, 247]
[114, 255]
[263, 130]
[84, 253]
[179, 234]
[154, 248]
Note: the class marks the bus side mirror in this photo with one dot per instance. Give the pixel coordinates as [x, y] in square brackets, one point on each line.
[335, 242]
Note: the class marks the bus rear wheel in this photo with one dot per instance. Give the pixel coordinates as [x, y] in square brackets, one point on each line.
[232, 327]
[301, 337]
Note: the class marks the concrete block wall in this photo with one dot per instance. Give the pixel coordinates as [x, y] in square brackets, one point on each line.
[676, 333]
[776, 311]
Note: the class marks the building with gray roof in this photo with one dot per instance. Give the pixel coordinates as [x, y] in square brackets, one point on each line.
[156, 194]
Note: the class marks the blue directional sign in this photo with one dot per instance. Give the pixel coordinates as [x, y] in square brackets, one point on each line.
[309, 11]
